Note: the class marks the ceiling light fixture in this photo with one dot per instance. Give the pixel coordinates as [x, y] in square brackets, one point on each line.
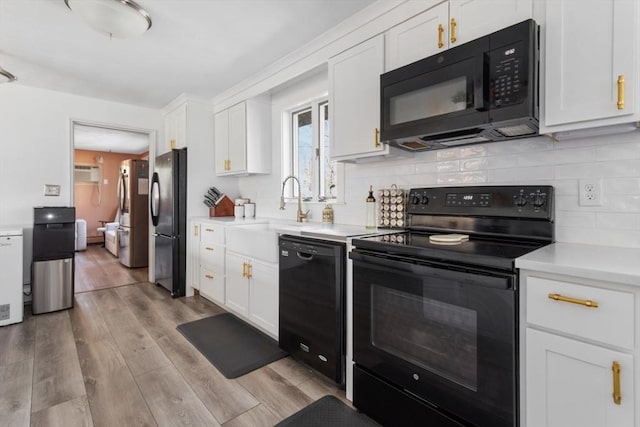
[6, 77]
[116, 18]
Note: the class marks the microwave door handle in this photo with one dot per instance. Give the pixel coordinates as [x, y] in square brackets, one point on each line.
[481, 86]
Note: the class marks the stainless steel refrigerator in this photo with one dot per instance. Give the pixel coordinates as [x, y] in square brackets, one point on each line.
[133, 231]
[169, 216]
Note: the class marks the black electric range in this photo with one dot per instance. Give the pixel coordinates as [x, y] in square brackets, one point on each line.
[435, 323]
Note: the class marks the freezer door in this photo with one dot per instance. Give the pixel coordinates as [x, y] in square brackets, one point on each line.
[124, 246]
[164, 261]
[164, 187]
[52, 285]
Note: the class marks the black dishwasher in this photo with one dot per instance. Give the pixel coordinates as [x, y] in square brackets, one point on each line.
[312, 277]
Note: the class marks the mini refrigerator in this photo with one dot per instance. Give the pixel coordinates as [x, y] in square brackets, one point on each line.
[52, 278]
[11, 298]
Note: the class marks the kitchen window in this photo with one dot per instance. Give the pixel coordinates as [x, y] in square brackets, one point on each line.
[308, 155]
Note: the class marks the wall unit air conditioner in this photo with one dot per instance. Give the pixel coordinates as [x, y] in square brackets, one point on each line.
[86, 173]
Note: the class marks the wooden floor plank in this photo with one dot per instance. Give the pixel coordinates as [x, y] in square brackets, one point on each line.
[291, 370]
[15, 392]
[172, 401]
[17, 341]
[96, 268]
[72, 413]
[86, 323]
[56, 380]
[260, 416]
[57, 376]
[317, 387]
[139, 350]
[274, 391]
[113, 395]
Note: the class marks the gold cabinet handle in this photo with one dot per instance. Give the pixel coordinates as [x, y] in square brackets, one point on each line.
[172, 144]
[585, 302]
[244, 269]
[208, 248]
[617, 396]
[376, 139]
[195, 230]
[249, 271]
[440, 31]
[621, 92]
[454, 24]
[210, 230]
[208, 276]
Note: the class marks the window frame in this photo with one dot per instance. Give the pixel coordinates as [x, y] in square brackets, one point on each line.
[290, 152]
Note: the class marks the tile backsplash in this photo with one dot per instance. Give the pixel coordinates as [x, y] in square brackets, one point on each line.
[614, 159]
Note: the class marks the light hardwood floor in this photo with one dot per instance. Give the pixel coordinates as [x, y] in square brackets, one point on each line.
[116, 359]
[96, 268]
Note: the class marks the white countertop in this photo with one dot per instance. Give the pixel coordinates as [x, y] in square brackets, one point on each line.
[319, 230]
[606, 263]
[10, 230]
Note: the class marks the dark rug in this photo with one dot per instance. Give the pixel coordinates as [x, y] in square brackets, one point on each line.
[231, 345]
[328, 411]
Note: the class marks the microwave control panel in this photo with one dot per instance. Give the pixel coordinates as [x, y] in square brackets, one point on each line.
[508, 75]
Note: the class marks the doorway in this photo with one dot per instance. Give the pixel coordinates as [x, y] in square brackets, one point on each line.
[110, 176]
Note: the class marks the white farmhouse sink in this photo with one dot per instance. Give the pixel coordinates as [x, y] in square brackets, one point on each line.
[259, 241]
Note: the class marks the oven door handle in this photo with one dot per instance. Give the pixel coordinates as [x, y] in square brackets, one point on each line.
[481, 86]
[495, 280]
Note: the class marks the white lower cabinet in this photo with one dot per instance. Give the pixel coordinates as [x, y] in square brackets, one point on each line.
[571, 383]
[252, 290]
[211, 251]
[579, 352]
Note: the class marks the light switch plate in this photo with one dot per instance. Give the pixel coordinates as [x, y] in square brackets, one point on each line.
[51, 190]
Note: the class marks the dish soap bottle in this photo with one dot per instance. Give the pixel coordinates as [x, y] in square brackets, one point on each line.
[327, 214]
[371, 209]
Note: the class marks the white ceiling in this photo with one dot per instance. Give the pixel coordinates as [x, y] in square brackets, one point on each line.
[199, 47]
[113, 140]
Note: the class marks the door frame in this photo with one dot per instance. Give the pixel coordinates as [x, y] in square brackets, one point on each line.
[152, 136]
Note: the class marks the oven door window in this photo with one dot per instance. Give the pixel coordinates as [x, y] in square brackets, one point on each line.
[445, 335]
[436, 336]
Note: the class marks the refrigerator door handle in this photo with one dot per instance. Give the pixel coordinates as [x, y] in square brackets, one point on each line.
[123, 193]
[154, 200]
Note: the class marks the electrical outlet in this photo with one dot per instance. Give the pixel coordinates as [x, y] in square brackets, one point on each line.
[590, 192]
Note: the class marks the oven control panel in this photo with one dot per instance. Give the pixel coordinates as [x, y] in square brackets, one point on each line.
[535, 202]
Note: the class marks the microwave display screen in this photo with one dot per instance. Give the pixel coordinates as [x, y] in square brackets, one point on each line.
[430, 101]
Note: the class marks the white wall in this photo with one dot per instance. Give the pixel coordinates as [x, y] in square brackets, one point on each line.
[35, 127]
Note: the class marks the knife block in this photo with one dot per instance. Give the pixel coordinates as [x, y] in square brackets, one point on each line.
[223, 208]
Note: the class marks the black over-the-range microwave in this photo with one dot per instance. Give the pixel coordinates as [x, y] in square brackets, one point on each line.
[484, 90]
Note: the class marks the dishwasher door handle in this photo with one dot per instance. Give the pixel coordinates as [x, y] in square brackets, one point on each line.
[304, 256]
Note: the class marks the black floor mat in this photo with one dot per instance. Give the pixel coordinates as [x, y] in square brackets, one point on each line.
[233, 346]
[328, 411]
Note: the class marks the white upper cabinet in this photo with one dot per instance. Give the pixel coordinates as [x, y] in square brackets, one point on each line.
[450, 24]
[354, 101]
[470, 19]
[591, 62]
[243, 138]
[175, 128]
[419, 37]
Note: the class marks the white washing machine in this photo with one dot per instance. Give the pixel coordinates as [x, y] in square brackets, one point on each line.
[11, 296]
